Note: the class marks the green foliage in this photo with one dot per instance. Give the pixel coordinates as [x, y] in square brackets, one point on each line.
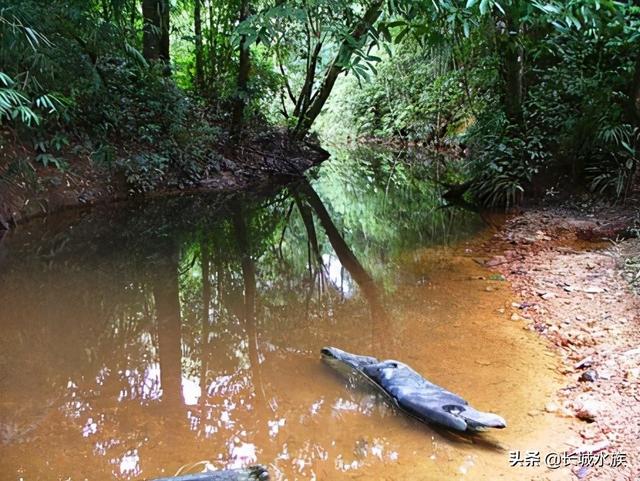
[536, 89]
[47, 150]
[24, 101]
[136, 103]
[574, 61]
[78, 85]
[144, 108]
[415, 96]
[501, 163]
[46, 53]
[144, 171]
[584, 124]
[311, 43]
[14, 105]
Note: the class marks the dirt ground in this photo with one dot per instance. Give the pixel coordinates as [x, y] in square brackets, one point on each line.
[571, 274]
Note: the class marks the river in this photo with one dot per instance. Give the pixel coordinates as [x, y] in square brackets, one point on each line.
[181, 333]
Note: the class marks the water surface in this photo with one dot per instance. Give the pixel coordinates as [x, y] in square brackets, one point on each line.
[185, 333]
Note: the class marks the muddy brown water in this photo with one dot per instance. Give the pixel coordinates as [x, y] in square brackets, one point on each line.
[185, 333]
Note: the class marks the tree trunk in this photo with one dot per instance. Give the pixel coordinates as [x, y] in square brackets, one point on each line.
[305, 95]
[343, 56]
[197, 30]
[133, 15]
[164, 29]
[243, 77]
[213, 45]
[635, 93]
[150, 30]
[106, 15]
[634, 100]
[511, 69]
[155, 32]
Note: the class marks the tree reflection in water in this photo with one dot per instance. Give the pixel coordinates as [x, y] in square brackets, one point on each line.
[166, 294]
[189, 329]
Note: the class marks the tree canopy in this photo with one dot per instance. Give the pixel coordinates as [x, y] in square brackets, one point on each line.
[529, 88]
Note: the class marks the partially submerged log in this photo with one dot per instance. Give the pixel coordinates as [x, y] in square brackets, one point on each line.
[251, 473]
[413, 394]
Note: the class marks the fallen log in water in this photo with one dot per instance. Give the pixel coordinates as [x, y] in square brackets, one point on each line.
[252, 473]
[414, 395]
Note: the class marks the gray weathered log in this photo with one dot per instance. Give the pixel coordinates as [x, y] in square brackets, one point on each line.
[413, 394]
[252, 473]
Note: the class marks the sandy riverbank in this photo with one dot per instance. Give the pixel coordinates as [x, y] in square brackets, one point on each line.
[568, 270]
